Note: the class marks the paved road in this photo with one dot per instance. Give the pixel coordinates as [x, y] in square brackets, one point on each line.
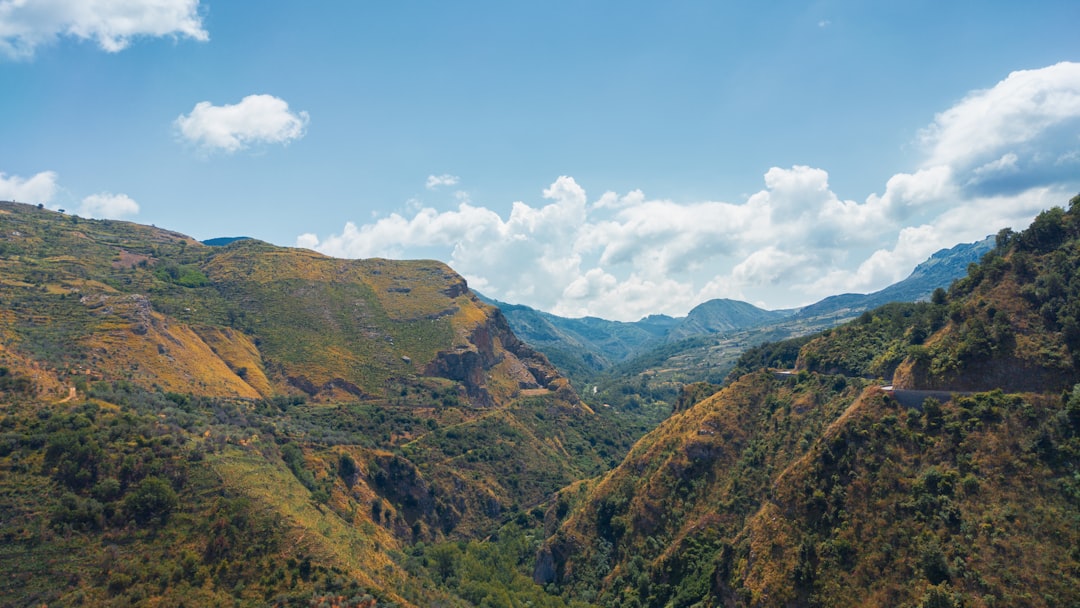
[906, 397]
[914, 398]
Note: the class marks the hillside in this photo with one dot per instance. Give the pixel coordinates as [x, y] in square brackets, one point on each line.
[249, 424]
[252, 425]
[824, 487]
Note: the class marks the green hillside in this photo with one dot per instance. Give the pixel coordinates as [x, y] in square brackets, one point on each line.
[842, 484]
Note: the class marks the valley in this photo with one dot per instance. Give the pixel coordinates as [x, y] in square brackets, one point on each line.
[250, 425]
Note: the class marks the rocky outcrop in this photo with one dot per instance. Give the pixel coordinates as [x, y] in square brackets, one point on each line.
[492, 343]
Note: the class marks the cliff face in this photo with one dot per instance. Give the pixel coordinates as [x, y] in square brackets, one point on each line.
[491, 347]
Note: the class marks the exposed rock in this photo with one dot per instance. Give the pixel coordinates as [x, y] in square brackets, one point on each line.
[489, 344]
[302, 383]
[457, 288]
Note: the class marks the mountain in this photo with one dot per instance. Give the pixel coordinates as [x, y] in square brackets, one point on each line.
[923, 454]
[255, 425]
[123, 301]
[704, 345]
[224, 240]
[721, 316]
[584, 346]
[939, 270]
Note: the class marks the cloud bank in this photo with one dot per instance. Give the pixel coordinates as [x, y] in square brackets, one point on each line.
[26, 25]
[993, 160]
[257, 119]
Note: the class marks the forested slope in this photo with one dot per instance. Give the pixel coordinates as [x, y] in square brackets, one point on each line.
[819, 488]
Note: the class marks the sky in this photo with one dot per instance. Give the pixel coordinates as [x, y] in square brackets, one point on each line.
[612, 159]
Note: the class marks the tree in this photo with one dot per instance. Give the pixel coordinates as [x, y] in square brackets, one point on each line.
[939, 296]
[1046, 232]
[153, 498]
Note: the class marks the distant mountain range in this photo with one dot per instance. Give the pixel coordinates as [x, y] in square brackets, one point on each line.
[583, 347]
[222, 241]
[940, 270]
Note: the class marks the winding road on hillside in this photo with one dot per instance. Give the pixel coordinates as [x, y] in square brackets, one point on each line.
[907, 397]
[914, 398]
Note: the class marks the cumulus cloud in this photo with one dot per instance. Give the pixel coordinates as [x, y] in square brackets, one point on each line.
[1027, 123]
[39, 189]
[995, 159]
[257, 119]
[108, 206]
[26, 25]
[436, 181]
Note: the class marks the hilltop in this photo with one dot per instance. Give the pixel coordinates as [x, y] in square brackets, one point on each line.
[253, 424]
[115, 301]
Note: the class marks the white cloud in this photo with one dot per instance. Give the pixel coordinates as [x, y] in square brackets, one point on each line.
[792, 243]
[39, 189]
[257, 119]
[436, 181]
[112, 24]
[1032, 117]
[612, 200]
[108, 206]
[768, 266]
[1005, 164]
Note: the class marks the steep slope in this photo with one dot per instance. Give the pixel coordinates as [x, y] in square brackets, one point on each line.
[820, 487]
[1013, 323]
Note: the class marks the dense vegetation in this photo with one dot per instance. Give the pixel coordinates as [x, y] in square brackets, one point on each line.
[132, 496]
[120, 502]
[821, 488]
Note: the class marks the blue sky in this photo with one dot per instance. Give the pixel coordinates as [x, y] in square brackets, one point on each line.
[607, 158]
